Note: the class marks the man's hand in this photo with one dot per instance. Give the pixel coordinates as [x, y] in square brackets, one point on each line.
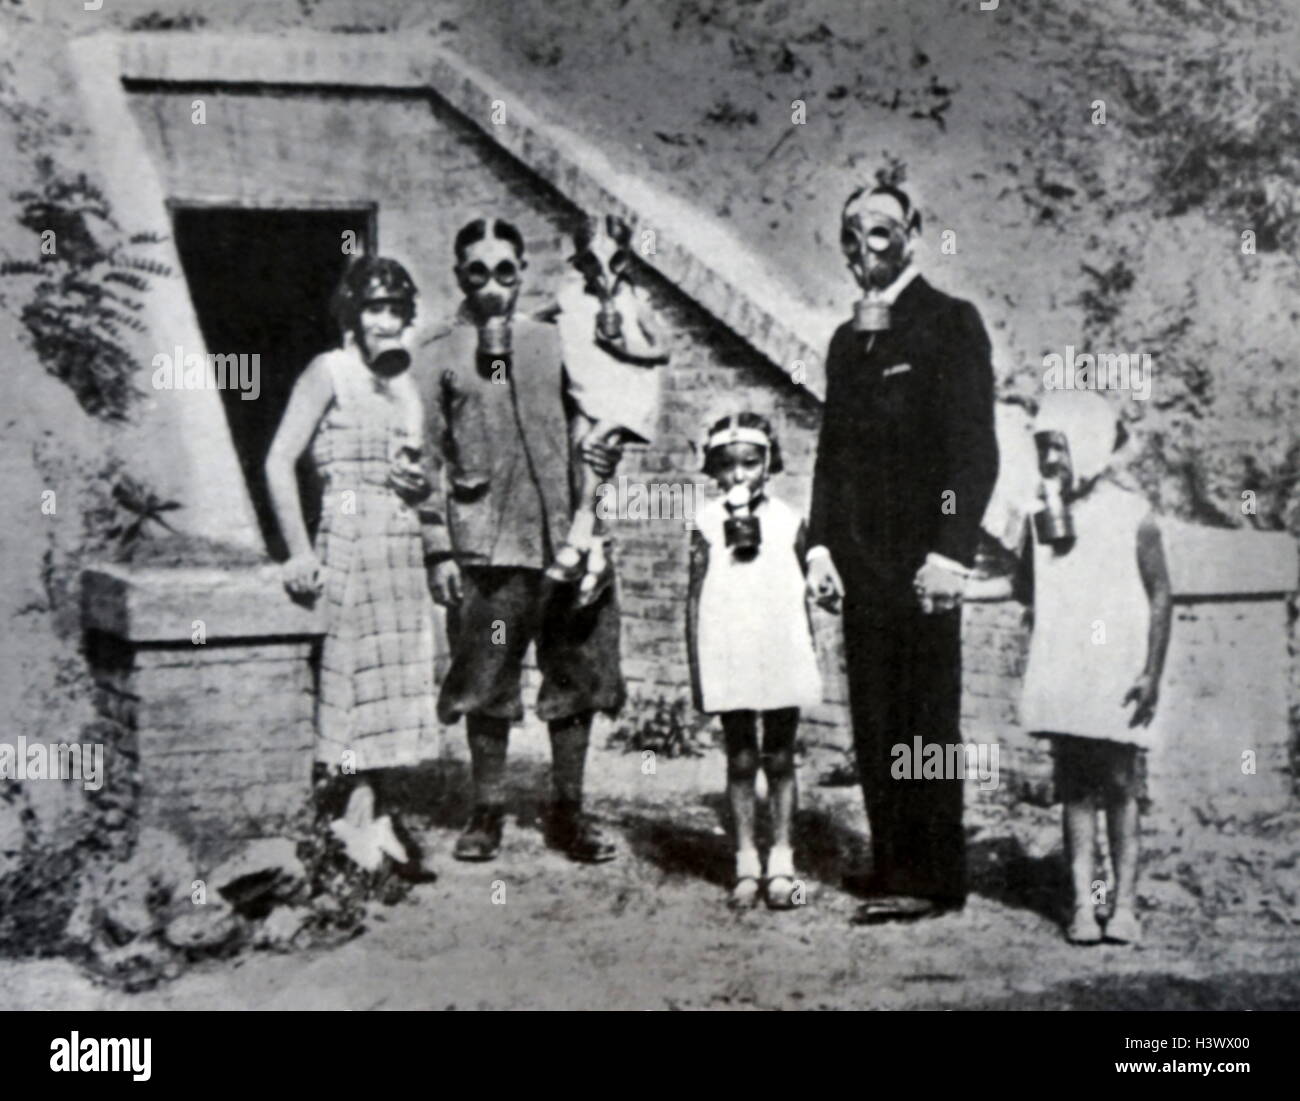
[1145, 692]
[823, 583]
[938, 589]
[601, 456]
[445, 583]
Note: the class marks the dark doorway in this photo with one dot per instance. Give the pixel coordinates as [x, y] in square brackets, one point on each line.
[261, 281]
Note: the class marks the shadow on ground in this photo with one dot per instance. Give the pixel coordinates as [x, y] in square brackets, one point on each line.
[1235, 991]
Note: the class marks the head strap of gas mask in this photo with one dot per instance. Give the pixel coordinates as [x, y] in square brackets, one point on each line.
[869, 199]
[730, 433]
[619, 235]
[742, 529]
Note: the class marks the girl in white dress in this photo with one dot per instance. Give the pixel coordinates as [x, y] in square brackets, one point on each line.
[750, 642]
[1102, 613]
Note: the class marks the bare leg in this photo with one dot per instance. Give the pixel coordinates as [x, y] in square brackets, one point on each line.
[1080, 820]
[783, 891]
[740, 731]
[1122, 830]
[778, 763]
[739, 728]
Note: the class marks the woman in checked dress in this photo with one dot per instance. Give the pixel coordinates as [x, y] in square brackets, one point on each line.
[359, 413]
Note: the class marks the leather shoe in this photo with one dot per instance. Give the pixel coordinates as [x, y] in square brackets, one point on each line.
[578, 836]
[896, 908]
[481, 839]
[417, 868]
[863, 883]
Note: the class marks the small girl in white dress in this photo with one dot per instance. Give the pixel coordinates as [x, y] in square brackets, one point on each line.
[1102, 614]
[750, 641]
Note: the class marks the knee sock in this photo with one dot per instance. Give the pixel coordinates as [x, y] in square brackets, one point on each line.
[569, 739]
[780, 861]
[488, 739]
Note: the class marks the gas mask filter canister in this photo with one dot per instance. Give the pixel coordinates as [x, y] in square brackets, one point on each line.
[1052, 523]
[494, 337]
[741, 530]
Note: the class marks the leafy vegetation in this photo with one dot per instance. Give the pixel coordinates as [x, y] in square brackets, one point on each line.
[664, 726]
[88, 287]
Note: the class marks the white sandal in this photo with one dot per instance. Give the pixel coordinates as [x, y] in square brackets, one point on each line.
[1123, 927]
[782, 886]
[745, 892]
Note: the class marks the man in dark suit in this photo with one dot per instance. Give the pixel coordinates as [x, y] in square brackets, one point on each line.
[905, 466]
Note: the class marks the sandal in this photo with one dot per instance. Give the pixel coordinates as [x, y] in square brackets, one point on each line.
[1123, 927]
[744, 895]
[593, 587]
[568, 565]
[596, 580]
[748, 880]
[1084, 927]
[782, 886]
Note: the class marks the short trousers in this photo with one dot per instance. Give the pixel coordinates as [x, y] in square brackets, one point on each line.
[502, 610]
[1082, 766]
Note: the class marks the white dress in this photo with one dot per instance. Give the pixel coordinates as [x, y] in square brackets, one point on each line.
[1091, 614]
[755, 643]
[605, 387]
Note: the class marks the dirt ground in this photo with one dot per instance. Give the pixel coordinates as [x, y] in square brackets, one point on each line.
[652, 931]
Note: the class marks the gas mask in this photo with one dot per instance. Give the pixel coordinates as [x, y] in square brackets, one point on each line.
[741, 530]
[1053, 525]
[603, 257]
[875, 234]
[383, 348]
[489, 274]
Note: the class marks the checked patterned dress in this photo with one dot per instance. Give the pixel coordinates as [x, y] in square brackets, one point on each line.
[376, 696]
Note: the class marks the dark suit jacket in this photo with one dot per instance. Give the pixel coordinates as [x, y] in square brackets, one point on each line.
[904, 423]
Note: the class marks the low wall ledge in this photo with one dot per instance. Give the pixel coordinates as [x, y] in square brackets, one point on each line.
[167, 603]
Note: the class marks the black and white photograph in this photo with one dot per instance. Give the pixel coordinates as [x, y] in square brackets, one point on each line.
[646, 505]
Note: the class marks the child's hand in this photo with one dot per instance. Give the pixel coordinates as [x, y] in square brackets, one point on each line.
[823, 583]
[937, 588]
[1144, 693]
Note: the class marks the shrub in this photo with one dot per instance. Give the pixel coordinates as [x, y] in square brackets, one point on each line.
[87, 293]
[666, 727]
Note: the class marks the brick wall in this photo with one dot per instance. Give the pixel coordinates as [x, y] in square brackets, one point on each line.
[425, 167]
[223, 727]
[429, 170]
